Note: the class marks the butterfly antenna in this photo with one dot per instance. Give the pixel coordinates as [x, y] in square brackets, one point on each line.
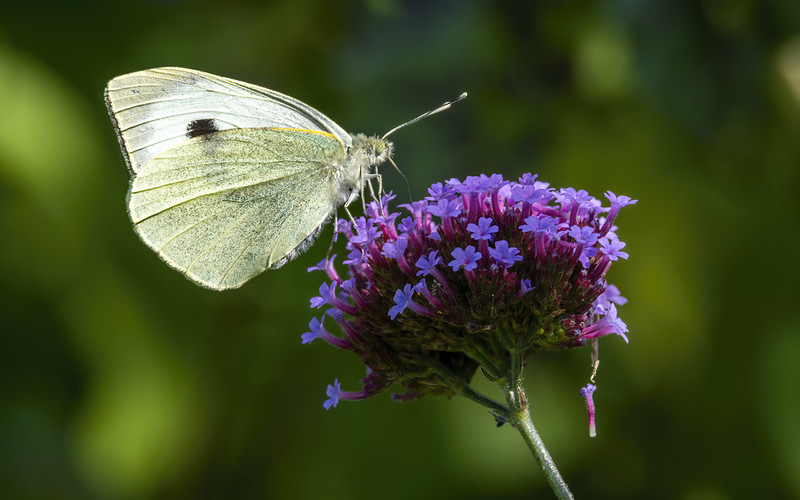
[425, 115]
[415, 120]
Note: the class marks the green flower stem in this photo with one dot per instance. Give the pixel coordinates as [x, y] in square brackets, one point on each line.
[521, 418]
[468, 392]
[485, 361]
[463, 388]
[516, 390]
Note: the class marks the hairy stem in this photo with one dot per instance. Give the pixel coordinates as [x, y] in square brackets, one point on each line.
[521, 418]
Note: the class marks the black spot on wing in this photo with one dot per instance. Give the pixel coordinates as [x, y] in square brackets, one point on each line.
[201, 127]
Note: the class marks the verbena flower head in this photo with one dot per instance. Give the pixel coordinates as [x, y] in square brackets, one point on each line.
[478, 269]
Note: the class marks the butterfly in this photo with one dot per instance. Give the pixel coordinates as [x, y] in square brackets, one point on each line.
[229, 179]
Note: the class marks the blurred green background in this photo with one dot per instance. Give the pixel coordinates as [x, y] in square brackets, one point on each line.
[119, 379]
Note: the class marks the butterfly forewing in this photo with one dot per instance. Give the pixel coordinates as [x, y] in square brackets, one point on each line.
[155, 110]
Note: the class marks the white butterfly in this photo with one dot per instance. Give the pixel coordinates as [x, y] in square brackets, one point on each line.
[229, 179]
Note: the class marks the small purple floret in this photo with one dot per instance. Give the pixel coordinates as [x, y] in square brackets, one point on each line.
[613, 248]
[395, 250]
[326, 294]
[445, 208]
[317, 331]
[401, 299]
[540, 224]
[525, 285]
[586, 393]
[467, 257]
[334, 393]
[584, 235]
[406, 224]
[483, 230]
[504, 254]
[438, 191]
[426, 264]
[608, 324]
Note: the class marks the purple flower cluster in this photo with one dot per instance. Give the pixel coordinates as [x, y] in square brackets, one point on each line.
[475, 270]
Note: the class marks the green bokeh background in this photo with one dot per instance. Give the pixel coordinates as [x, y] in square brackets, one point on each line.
[119, 379]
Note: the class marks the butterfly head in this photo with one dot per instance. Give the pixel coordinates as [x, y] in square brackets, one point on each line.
[372, 150]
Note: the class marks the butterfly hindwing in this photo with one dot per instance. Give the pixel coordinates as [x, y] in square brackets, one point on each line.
[224, 207]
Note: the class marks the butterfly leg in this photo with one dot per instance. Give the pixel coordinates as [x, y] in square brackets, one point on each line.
[334, 236]
[353, 222]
